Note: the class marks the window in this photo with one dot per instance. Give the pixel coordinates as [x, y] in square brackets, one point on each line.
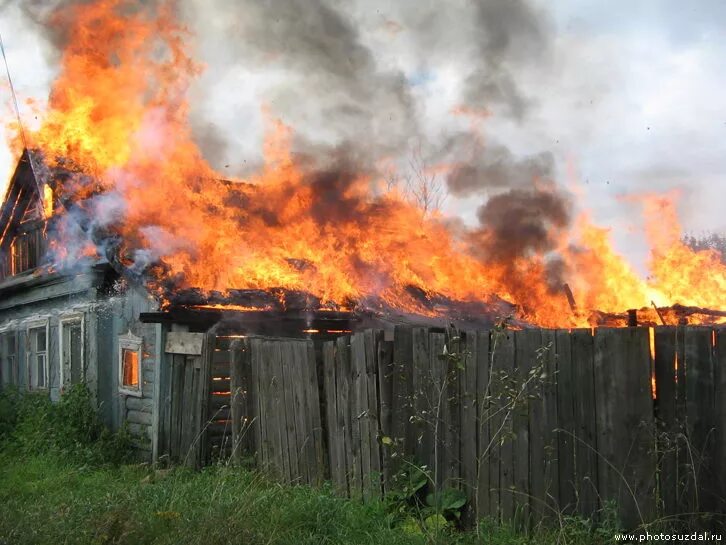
[26, 250]
[71, 346]
[130, 364]
[38, 357]
[8, 366]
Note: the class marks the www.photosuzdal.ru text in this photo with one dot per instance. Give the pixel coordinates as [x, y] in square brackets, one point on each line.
[680, 537]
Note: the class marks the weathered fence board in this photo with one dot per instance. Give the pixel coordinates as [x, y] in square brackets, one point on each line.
[666, 419]
[700, 425]
[586, 449]
[566, 429]
[485, 445]
[626, 427]
[529, 424]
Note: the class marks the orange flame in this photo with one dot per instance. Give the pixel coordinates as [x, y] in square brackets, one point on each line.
[118, 112]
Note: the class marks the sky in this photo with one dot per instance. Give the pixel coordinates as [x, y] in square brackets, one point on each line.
[608, 98]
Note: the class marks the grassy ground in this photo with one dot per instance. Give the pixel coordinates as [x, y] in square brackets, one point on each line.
[48, 500]
[58, 488]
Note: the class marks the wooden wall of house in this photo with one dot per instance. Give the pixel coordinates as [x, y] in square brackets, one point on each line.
[120, 316]
[104, 321]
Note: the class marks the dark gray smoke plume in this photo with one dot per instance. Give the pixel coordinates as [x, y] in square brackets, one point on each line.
[491, 167]
[521, 222]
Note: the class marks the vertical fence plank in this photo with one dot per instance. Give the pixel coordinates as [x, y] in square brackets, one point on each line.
[665, 384]
[335, 432]
[295, 411]
[502, 430]
[468, 418]
[274, 349]
[720, 416]
[360, 410]
[566, 419]
[344, 388]
[372, 413]
[438, 409]
[384, 373]
[626, 439]
[700, 408]
[402, 431]
[312, 399]
[485, 446]
[550, 423]
[422, 398]
[527, 344]
[586, 460]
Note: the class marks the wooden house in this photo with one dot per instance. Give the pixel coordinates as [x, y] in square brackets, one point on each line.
[62, 327]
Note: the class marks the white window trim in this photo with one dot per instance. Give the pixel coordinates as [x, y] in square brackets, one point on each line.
[37, 324]
[129, 342]
[65, 319]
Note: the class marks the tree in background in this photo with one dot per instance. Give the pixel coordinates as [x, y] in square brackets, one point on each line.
[713, 241]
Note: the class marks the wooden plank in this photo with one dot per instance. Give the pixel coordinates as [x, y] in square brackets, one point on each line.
[360, 431]
[186, 420]
[422, 399]
[313, 404]
[700, 409]
[205, 397]
[625, 423]
[566, 419]
[384, 373]
[372, 414]
[344, 376]
[485, 446]
[297, 373]
[528, 343]
[178, 394]
[504, 361]
[257, 401]
[468, 421]
[274, 348]
[586, 460]
[720, 415]
[237, 396]
[138, 417]
[438, 365]
[550, 424]
[335, 433]
[453, 369]
[183, 342]
[289, 364]
[665, 383]
[402, 430]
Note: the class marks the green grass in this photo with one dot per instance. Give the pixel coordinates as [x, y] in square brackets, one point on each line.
[63, 481]
[48, 500]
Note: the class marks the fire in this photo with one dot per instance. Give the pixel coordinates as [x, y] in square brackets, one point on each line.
[118, 113]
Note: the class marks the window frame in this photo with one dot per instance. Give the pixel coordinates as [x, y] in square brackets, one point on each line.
[129, 341]
[30, 352]
[65, 320]
[8, 331]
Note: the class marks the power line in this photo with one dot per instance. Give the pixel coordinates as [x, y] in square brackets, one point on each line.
[20, 121]
[12, 91]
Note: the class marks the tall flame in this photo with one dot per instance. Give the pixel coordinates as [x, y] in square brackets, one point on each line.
[118, 112]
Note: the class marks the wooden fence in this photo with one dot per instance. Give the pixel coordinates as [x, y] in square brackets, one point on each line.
[529, 424]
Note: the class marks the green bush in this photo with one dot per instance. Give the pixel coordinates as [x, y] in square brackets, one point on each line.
[9, 404]
[70, 428]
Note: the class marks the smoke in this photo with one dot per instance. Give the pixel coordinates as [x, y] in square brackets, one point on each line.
[522, 222]
[322, 79]
[481, 168]
[510, 35]
[340, 89]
